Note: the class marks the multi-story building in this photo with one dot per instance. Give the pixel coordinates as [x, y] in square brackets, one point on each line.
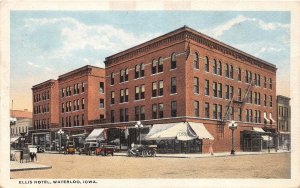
[45, 111]
[185, 76]
[81, 98]
[283, 121]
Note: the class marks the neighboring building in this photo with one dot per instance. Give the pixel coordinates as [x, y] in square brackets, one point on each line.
[81, 98]
[45, 111]
[284, 121]
[20, 114]
[185, 76]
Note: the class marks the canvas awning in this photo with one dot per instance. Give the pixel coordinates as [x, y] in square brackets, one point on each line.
[96, 134]
[265, 117]
[179, 131]
[200, 131]
[273, 121]
[257, 129]
[14, 139]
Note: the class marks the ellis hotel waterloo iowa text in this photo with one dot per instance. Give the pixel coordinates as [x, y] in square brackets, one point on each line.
[184, 87]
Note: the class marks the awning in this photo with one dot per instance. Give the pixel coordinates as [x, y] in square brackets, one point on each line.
[179, 131]
[266, 138]
[14, 139]
[257, 129]
[96, 134]
[272, 118]
[200, 131]
[265, 117]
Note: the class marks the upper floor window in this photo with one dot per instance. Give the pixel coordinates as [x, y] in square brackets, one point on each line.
[215, 111]
[231, 72]
[215, 66]
[227, 91]
[62, 92]
[206, 64]
[173, 61]
[82, 87]
[137, 93]
[126, 74]
[206, 89]
[154, 111]
[161, 110]
[196, 108]
[122, 96]
[101, 87]
[112, 79]
[154, 65]
[160, 88]
[122, 74]
[101, 103]
[136, 113]
[265, 100]
[154, 89]
[270, 83]
[220, 68]
[255, 79]
[258, 80]
[142, 72]
[271, 101]
[126, 95]
[265, 82]
[196, 85]
[220, 90]
[196, 61]
[137, 71]
[206, 109]
[239, 74]
[231, 92]
[219, 111]
[215, 89]
[239, 94]
[82, 103]
[143, 91]
[112, 97]
[173, 85]
[173, 108]
[142, 113]
[112, 116]
[121, 115]
[160, 65]
[226, 70]
[126, 115]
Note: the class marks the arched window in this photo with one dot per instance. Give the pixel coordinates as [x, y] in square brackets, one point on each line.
[160, 65]
[173, 61]
[220, 68]
[239, 74]
[231, 72]
[226, 70]
[206, 64]
[154, 65]
[215, 66]
[196, 61]
[112, 79]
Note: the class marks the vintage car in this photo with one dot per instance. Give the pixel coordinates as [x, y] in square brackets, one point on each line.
[70, 147]
[89, 148]
[106, 149]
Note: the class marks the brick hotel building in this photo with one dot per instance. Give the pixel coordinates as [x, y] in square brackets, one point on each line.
[185, 76]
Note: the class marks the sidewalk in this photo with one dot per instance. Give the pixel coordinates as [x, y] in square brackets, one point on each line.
[17, 166]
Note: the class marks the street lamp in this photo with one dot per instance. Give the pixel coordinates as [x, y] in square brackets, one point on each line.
[139, 125]
[60, 132]
[232, 125]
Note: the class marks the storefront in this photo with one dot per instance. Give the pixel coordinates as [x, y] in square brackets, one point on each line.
[256, 140]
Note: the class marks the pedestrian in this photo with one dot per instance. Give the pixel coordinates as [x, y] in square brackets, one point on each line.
[211, 150]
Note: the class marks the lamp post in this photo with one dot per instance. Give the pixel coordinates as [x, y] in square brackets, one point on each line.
[232, 125]
[139, 125]
[60, 132]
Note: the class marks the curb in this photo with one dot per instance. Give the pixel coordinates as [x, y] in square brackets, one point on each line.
[31, 168]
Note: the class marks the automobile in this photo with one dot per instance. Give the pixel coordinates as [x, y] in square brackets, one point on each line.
[89, 148]
[106, 149]
[70, 147]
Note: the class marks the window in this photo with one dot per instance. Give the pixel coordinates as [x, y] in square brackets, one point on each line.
[206, 89]
[259, 117]
[143, 91]
[74, 105]
[160, 65]
[265, 100]
[247, 76]
[136, 113]
[255, 79]
[271, 101]
[75, 120]
[121, 115]
[206, 64]
[121, 95]
[160, 88]
[239, 114]
[112, 97]
[196, 85]
[126, 74]
[231, 91]
[215, 67]
[250, 93]
[220, 90]
[154, 64]
[231, 72]
[250, 116]
[196, 108]
[215, 113]
[70, 106]
[67, 106]
[112, 116]
[247, 115]
[154, 89]
[258, 79]
[62, 92]
[77, 104]
[142, 73]
[142, 113]
[161, 110]
[62, 107]
[215, 89]
[196, 61]
[101, 85]
[255, 98]
[227, 92]
[206, 109]
[101, 103]
[126, 95]
[112, 79]
[239, 74]
[265, 82]
[70, 122]
[173, 61]
[74, 88]
[77, 87]
[220, 68]
[82, 87]
[219, 111]
[173, 109]
[137, 93]
[126, 115]
[270, 84]
[255, 116]
[137, 71]
[231, 113]
[226, 70]
[173, 85]
[122, 73]
[239, 94]
[154, 111]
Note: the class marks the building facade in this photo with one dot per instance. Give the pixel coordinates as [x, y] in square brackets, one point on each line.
[185, 76]
[284, 122]
[82, 97]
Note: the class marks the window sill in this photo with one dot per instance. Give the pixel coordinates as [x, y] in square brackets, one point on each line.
[157, 73]
[157, 97]
[197, 94]
[173, 69]
[124, 102]
[123, 82]
[139, 100]
[173, 93]
[139, 78]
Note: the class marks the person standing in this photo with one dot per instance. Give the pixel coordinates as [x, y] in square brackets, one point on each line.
[211, 150]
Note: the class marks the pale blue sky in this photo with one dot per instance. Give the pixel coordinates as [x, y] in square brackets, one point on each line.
[45, 44]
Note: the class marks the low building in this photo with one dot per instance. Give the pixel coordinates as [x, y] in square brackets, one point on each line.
[283, 122]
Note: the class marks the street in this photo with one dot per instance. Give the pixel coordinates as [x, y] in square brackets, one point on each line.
[83, 166]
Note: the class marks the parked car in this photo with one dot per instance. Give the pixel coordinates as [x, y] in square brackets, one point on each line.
[90, 148]
[70, 147]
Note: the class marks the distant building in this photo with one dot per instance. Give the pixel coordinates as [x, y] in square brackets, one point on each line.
[284, 122]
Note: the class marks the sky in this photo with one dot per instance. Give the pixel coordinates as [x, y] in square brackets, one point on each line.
[46, 44]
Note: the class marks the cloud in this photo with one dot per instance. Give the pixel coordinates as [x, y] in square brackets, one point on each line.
[33, 64]
[221, 29]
